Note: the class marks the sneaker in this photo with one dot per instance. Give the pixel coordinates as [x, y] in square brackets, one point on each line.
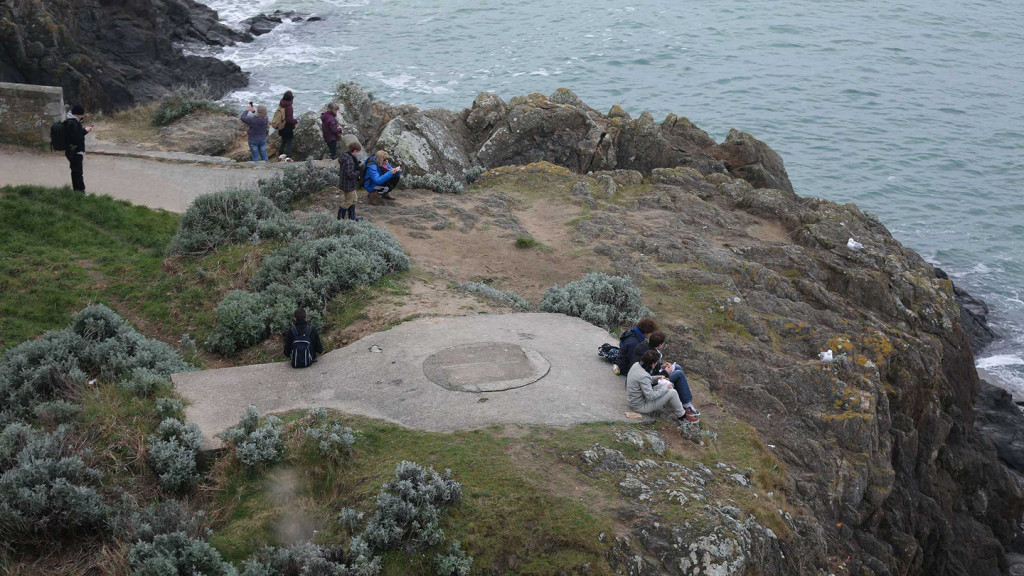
[687, 417]
[387, 196]
[287, 159]
[281, 157]
[692, 410]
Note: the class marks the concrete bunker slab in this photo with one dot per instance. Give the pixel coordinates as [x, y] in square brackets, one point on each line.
[385, 376]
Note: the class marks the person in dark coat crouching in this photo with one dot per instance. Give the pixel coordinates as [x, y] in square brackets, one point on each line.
[75, 133]
[348, 180]
[302, 339]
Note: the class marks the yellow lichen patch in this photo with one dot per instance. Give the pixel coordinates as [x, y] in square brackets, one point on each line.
[877, 346]
[839, 344]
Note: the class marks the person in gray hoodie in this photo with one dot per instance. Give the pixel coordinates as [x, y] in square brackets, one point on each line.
[644, 396]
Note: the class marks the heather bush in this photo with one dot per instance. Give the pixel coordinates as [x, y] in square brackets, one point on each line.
[331, 439]
[46, 489]
[172, 453]
[177, 553]
[241, 322]
[350, 519]
[297, 181]
[145, 383]
[256, 444]
[170, 407]
[441, 183]
[453, 562]
[306, 559]
[409, 508]
[474, 173]
[507, 298]
[219, 218]
[132, 524]
[57, 412]
[603, 300]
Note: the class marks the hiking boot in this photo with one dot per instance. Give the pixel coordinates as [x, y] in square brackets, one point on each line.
[687, 417]
[373, 199]
[692, 411]
[387, 196]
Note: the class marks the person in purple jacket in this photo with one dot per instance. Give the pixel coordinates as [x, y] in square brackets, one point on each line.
[259, 127]
[330, 128]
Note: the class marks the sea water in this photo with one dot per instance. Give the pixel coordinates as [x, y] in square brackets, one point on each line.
[912, 109]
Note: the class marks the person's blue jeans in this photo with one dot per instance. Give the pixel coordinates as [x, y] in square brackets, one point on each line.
[678, 379]
[258, 150]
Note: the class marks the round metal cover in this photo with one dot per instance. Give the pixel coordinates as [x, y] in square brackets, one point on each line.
[485, 367]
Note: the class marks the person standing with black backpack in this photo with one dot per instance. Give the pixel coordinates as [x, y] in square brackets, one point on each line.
[74, 137]
[302, 342]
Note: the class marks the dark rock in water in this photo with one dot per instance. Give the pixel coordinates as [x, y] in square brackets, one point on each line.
[265, 23]
[999, 418]
[112, 55]
[973, 316]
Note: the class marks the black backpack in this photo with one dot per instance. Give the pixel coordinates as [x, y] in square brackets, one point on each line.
[609, 353]
[302, 357]
[58, 136]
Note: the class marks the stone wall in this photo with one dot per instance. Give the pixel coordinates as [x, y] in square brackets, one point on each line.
[27, 111]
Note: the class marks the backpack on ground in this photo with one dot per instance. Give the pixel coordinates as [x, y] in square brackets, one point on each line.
[279, 119]
[609, 352]
[58, 136]
[302, 357]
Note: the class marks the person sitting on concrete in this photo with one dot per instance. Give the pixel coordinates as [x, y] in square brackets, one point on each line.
[629, 340]
[302, 342]
[348, 180]
[330, 128]
[75, 133]
[646, 396]
[381, 178]
[672, 371]
[259, 128]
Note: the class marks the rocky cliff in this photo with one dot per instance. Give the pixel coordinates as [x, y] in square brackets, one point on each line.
[886, 471]
[109, 54]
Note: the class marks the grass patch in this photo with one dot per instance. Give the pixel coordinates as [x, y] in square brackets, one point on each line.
[525, 242]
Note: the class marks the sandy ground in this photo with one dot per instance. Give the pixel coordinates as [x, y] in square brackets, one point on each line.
[167, 185]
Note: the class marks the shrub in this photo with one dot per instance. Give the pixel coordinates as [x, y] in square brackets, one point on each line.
[474, 173]
[144, 383]
[332, 439]
[131, 524]
[183, 102]
[441, 183]
[255, 444]
[57, 412]
[603, 300]
[241, 322]
[409, 508]
[219, 218]
[453, 562]
[350, 519]
[172, 453]
[305, 558]
[169, 407]
[46, 489]
[177, 553]
[525, 242]
[295, 182]
[508, 298]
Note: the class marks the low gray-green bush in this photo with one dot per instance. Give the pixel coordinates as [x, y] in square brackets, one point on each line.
[176, 554]
[46, 488]
[170, 407]
[603, 300]
[440, 183]
[453, 561]
[331, 439]
[297, 181]
[474, 173]
[409, 508]
[507, 298]
[173, 450]
[350, 519]
[241, 322]
[57, 412]
[256, 444]
[305, 559]
[145, 383]
[228, 216]
[132, 524]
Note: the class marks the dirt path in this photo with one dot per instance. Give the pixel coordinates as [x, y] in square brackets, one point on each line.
[157, 184]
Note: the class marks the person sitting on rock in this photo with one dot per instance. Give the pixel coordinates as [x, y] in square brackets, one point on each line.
[629, 340]
[330, 128]
[302, 342]
[259, 127]
[348, 180]
[646, 396]
[381, 178]
[672, 371]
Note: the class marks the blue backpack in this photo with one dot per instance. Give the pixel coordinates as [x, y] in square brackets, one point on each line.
[302, 357]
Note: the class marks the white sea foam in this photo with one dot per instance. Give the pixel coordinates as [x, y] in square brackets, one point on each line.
[998, 360]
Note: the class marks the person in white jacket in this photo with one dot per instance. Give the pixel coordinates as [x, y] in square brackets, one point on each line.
[646, 396]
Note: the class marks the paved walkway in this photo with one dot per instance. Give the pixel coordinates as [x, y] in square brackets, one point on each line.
[382, 376]
[155, 179]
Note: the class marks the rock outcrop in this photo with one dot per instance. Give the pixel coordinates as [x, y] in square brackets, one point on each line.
[110, 55]
[559, 129]
[265, 23]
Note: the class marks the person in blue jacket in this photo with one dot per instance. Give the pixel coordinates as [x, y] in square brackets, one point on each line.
[381, 178]
[629, 340]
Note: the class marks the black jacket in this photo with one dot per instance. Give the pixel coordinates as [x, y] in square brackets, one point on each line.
[75, 133]
[627, 344]
[315, 346]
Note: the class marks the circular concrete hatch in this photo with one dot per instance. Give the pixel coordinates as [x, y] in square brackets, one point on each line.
[485, 367]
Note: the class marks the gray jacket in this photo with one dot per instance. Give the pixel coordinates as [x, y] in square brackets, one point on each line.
[639, 387]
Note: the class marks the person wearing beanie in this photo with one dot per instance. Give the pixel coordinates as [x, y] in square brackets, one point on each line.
[75, 133]
[287, 132]
[330, 128]
[259, 128]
